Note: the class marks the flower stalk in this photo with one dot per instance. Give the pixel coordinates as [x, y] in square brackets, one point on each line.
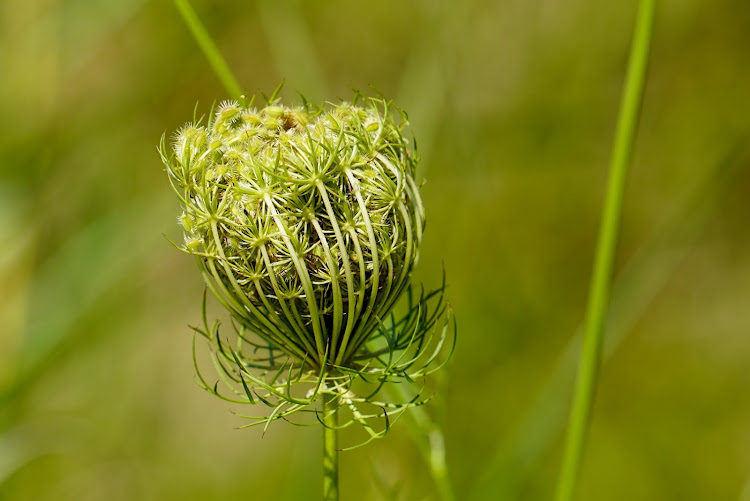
[330, 449]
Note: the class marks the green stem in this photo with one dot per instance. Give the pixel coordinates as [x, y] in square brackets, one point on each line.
[207, 45]
[599, 291]
[330, 452]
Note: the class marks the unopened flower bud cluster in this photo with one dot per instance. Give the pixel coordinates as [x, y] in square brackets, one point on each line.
[306, 221]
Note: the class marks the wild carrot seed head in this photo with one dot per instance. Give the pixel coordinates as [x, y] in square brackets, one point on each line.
[306, 221]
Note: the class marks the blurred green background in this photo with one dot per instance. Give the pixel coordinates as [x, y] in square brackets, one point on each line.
[513, 104]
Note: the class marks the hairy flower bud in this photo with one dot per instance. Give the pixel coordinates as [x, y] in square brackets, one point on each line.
[306, 221]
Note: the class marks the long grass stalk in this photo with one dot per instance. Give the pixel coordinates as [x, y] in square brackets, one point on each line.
[207, 45]
[601, 280]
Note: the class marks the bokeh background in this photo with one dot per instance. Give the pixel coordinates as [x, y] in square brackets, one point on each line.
[513, 104]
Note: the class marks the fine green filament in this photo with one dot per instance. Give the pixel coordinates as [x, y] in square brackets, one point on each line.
[599, 292]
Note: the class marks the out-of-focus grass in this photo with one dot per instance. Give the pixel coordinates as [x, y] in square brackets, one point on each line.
[513, 104]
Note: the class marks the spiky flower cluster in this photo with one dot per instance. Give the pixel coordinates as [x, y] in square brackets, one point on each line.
[306, 223]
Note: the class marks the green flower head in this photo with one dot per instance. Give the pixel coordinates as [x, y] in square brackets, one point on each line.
[307, 220]
[306, 223]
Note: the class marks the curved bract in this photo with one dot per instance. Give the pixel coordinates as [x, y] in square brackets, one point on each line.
[306, 223]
